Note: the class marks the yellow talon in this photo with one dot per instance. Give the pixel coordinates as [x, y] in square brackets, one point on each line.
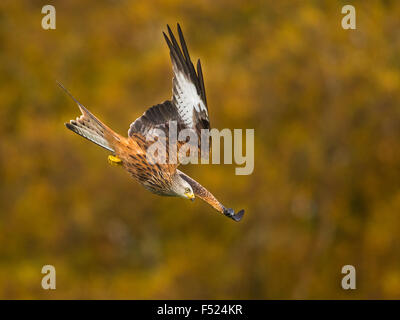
[115, 161]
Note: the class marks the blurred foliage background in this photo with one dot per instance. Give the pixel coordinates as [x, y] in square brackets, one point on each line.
[324, 103]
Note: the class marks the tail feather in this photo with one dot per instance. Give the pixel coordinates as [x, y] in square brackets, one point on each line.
[91, 128]
[89, 133]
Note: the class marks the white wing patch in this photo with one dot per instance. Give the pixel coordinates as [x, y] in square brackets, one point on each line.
[186, 97]
[188, 106]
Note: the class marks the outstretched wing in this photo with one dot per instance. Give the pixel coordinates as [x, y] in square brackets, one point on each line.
[208, 197]
[188, 106]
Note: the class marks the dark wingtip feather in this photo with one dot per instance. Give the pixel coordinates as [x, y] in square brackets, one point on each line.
[230, 213]
[184, 47]
[238, 216]
[168, 41]
[169, 29]
[172, 37]
[201, 81]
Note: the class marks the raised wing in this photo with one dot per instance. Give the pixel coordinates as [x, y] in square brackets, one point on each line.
[188, 92]
[188, 105]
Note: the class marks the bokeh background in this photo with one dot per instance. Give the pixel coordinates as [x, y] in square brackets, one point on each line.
[325, 192]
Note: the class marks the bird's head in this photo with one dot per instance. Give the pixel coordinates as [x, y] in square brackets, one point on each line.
[182, 188]
[188, 194]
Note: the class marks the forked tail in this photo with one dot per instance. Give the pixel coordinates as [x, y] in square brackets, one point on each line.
[91, 128]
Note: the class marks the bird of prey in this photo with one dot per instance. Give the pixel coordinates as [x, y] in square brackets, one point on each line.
[188, 107]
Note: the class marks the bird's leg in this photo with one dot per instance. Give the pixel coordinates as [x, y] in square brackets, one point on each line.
[114, 161]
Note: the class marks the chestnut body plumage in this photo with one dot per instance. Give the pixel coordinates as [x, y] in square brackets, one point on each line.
[188, 108]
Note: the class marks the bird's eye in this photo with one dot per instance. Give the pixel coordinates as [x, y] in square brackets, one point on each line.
[187, 190]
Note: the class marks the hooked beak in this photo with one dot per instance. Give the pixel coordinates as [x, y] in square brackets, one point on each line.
[190, 196]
